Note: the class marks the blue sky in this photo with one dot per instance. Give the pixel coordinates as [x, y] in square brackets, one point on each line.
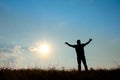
[23, 23]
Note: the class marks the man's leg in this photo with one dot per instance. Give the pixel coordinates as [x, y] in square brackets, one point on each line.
[79, 64]
[84, 63]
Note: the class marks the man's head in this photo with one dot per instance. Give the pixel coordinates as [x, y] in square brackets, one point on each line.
[78, 42]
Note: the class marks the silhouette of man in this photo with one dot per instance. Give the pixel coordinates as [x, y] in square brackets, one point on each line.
[80, 53]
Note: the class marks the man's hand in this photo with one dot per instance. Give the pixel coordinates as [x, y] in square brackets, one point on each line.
[90, 39]
[70, 45]
[66, 42]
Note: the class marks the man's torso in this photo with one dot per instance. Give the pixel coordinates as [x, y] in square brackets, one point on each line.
[79, 50]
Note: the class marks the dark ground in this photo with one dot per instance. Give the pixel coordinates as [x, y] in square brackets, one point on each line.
[38, 74]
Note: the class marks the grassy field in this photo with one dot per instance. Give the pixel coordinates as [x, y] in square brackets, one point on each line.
[52, 74]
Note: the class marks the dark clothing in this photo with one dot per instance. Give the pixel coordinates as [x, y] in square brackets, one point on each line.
[79, 48]
[80, 55]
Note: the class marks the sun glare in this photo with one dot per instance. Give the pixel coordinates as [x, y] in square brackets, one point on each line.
[44, 49]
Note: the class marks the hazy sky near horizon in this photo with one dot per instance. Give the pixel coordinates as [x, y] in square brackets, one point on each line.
[26, 23]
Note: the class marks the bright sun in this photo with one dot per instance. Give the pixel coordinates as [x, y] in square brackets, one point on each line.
[44, 49]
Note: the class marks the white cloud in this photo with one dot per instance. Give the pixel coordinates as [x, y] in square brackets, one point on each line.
[12, 57]
[19, 57]
[16, 49]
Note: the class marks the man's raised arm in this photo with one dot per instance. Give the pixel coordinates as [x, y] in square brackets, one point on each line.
[69, 44]
[88, 42]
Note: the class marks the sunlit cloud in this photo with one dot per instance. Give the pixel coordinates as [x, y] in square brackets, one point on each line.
[42, 49]
[21, 57]
[11, 57]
